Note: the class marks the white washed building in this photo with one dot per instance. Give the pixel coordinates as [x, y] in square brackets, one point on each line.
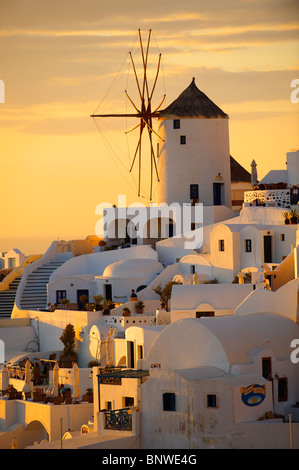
[213, 379]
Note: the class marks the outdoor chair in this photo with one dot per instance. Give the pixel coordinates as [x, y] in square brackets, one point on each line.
[36, 376]
[38, 396]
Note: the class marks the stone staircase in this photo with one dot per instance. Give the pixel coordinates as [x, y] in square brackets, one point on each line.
[7, 298]
[34, 294]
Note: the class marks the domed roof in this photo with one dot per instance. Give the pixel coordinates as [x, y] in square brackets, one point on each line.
[133, 268]
[222, 341]
[193, 103]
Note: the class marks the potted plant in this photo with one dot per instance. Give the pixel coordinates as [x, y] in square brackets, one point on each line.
[65, 302]
[93, 363]
[139, 306]
[286, 218]
[83, 299]
[68, 340]
[90, 307]
[293, 216]
[106, 308]
[126, 312]
[165, 292]
[98, 302]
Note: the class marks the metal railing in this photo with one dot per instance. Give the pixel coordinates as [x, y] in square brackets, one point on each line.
[118, 420]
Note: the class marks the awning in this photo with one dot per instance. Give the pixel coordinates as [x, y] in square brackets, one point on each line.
[125, 374]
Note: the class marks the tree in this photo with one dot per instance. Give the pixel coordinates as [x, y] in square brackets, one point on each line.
[68, 339]
[165, 292]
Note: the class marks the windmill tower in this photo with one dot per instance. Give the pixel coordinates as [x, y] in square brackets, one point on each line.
[194, 158]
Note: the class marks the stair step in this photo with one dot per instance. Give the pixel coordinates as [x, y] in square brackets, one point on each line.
[34, 294]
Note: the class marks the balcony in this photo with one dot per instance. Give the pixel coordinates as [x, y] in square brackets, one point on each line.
[118, 420]
[275, 197]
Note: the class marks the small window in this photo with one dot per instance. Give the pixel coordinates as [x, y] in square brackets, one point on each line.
[168, 401]
[282, 237]
[212, 400]
[193, 191]
[267, 368]
[204, 314]
[60, 295]
[221, 245]
[183, 139]
[176, 124]
[108, 405]
[128, 401]
[248, 246]
[140, 351]
[283, 389]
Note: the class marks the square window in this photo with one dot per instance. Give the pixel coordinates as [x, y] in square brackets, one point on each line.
[176, 124]
[168, 401]
[248, 246]
[212, 400]
[183, 139]
[128, 401]
[221, 245]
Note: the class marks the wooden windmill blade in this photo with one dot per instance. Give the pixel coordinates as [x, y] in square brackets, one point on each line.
[143, 112]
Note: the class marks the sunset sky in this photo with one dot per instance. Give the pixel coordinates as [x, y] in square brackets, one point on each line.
[62, 60]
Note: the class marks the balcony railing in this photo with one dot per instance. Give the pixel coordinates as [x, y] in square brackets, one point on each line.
[279, 197]
[114, 380]
[118, 420]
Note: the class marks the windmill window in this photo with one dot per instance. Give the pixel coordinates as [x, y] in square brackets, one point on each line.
[176, 124]
[221, 245]
[248, 247]
[183, 139]
[282, 237]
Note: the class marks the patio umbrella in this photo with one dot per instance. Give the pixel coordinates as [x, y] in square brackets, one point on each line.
[241, 277]
[55, 378]
[110, 347]
[253, 173]
[27, 387]
[76, 389]
[5, 380]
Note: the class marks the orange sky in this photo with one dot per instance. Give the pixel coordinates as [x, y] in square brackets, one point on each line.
[60, 60]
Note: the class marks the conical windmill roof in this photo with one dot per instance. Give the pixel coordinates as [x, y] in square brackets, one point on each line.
[193, 103]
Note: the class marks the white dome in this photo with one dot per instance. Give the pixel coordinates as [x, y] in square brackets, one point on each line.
[133, 268]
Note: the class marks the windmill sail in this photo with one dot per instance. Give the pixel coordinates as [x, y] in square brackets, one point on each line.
[144, 112]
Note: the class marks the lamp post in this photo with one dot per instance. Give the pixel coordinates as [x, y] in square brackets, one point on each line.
[61, 419]
[291, 433]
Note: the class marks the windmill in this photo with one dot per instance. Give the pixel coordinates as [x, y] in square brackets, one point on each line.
[144, 112]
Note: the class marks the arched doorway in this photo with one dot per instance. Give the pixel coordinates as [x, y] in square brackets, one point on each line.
[35, 432]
